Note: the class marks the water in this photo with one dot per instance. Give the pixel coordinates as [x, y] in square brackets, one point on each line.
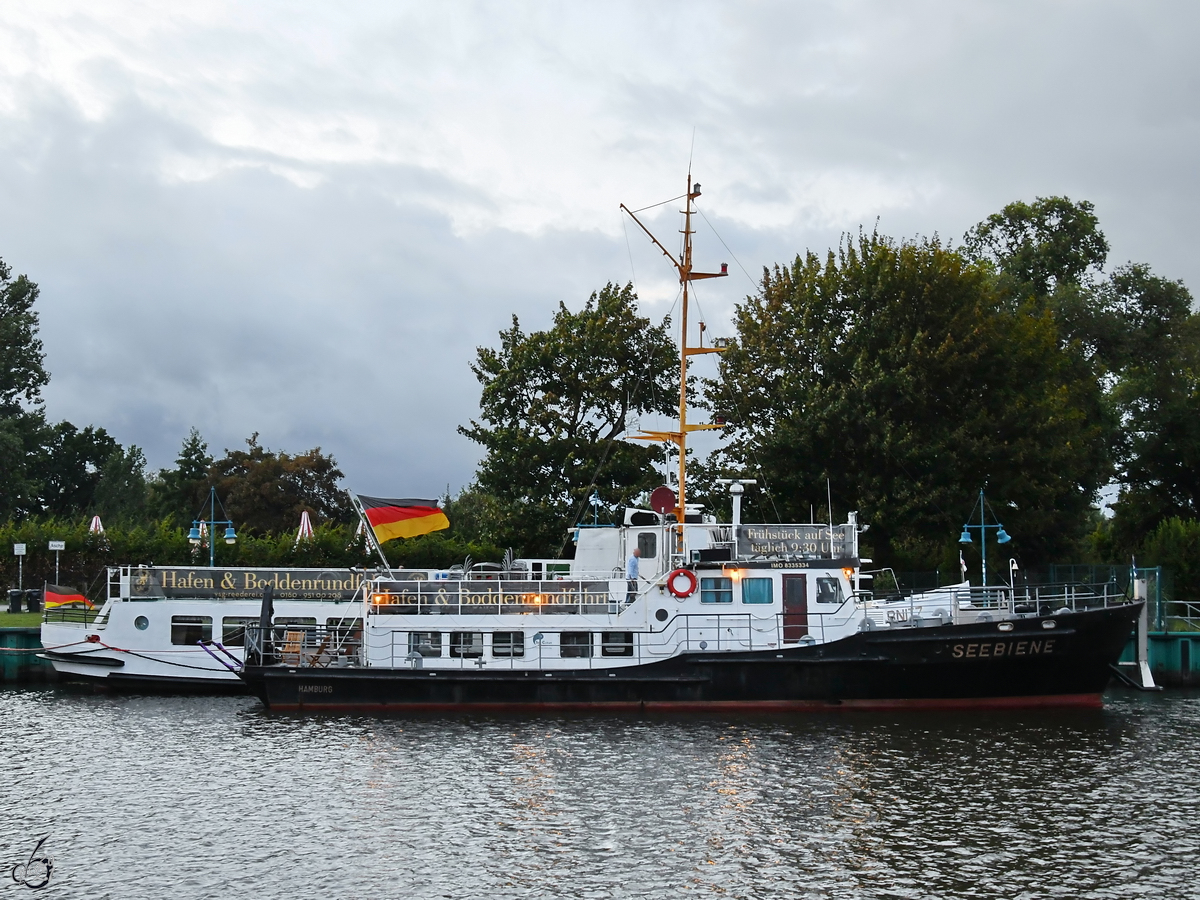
[153, 797]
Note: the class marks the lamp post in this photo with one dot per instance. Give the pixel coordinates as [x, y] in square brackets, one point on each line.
[1002, 536]
[212, 522]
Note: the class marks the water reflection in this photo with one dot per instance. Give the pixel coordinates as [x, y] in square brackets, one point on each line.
[194, 797]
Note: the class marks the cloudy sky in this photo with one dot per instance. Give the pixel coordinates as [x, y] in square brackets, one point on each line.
[301, 219]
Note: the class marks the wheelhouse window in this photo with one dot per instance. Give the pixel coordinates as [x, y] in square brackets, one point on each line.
[191, 629]
[648, 544]
[616, 643]
[508, 644]
[466, 644]
[716, 590]
[575, 644]
[233, 631]
[829, 590]
[425, 643]
[757, 590]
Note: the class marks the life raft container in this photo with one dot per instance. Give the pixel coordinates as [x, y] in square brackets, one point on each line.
[681, 583]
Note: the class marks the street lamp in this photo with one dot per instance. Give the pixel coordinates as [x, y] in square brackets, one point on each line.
[210, 525]
[1002, 536]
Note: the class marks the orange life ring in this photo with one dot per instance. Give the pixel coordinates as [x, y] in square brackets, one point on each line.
[688, 577]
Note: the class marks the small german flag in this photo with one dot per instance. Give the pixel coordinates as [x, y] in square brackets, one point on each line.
[56, 595]
[402, 518]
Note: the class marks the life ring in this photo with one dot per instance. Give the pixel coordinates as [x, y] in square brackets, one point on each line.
[689, 586]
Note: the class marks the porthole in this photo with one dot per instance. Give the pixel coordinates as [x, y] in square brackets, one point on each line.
[661, 615]
[1005, 626]
[1047, 623]
[141, 623]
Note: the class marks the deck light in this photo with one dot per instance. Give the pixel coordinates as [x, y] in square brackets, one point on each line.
[194, 535]
[230, 535]
[1002, 536]
[965, 537]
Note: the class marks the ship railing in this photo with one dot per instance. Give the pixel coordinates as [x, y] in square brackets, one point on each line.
[305, 646]
[967, 605]
[78, 615]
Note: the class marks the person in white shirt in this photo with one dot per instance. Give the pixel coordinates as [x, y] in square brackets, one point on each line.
[631, 575]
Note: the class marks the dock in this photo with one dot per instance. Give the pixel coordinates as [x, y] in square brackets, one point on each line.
[19, 662]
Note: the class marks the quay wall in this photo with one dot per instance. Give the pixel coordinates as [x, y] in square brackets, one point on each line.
[19, 663]
[1174, 657]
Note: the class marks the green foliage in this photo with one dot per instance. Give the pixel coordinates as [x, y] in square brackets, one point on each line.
[22, 375]
[1175, 545]
[1049, 243]
[177, 494]
[121, 488]
[553, 408]
[902, 373]
[68, 469]
[265, 491]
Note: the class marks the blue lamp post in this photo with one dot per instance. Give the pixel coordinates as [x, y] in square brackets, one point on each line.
[211, 524]
[1002, 536]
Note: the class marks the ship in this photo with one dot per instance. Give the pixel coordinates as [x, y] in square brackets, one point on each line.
[720, 616]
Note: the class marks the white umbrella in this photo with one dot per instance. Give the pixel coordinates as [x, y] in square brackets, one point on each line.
[306, 527]
[96, 527]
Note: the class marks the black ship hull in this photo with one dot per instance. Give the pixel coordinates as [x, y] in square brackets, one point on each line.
[1063, 660]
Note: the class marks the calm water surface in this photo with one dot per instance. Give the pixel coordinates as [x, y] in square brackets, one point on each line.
[153, 797]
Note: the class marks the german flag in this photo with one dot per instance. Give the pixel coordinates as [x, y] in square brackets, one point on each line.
[56, 595]
[402, 518]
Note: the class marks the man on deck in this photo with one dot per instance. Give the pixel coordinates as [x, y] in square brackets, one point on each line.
[631, 575]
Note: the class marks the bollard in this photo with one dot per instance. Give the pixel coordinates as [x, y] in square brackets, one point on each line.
[14, 600]
[33, 600]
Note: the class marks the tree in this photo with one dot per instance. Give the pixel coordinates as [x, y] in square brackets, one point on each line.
[1157, 396]
[903, 374]
[176, 495]
[266, 491]
[554, 406]
[22, 375]
[121, 488]
[68, 468]
[1050, 243]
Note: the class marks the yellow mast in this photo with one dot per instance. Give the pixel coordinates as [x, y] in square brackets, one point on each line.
[686, 276]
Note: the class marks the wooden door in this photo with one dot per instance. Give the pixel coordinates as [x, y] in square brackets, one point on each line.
[795, 607]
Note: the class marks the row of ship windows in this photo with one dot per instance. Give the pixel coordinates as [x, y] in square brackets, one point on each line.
[511, 644]
[761, 590]
[190, 630]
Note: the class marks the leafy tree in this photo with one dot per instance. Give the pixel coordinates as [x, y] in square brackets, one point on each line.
[1052, 242]
[121, 488]
[176, 495]
[266, 491]
[1157, 396]
[68, 469]
[903, 374]
[22, 375]
[553, 408]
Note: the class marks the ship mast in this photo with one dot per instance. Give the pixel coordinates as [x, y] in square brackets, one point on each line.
[684, 266]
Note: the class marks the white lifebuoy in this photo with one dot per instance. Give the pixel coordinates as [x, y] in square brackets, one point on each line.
[687, 588]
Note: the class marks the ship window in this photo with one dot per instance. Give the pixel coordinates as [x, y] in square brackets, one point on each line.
[648, 544]
[191, 629]
[716, 590]
[466, 644]
[426, 643]
[575, 644]
[233, 631]
[295, 620]
[508, 644]
[829, 590]
[757, 590]
[616, 643]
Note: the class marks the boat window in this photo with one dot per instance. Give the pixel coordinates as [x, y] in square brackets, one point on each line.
[426, 643]
[295, 620]
[757, 590]
[508, 644]
[648, 544]
[191, 629]
[233, 630]
[716, 590]
[466, 644]
[575, 644]
[616, 643]
[829, 590]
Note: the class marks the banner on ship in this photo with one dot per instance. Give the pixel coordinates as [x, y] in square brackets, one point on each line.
[795, 541]
[235, 583]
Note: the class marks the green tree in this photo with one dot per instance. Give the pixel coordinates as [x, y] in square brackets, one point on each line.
[554, 406]
[266, 491]
[68, 466]
[905, 376]
[176, 495]
[22, 375]
[121, 488]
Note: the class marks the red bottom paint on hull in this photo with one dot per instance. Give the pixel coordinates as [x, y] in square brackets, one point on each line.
[1055, 701]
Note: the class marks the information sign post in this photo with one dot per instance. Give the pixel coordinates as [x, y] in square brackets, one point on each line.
[57, 547]
[19, 553]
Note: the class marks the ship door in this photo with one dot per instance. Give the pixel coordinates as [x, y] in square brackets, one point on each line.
[795, 607]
